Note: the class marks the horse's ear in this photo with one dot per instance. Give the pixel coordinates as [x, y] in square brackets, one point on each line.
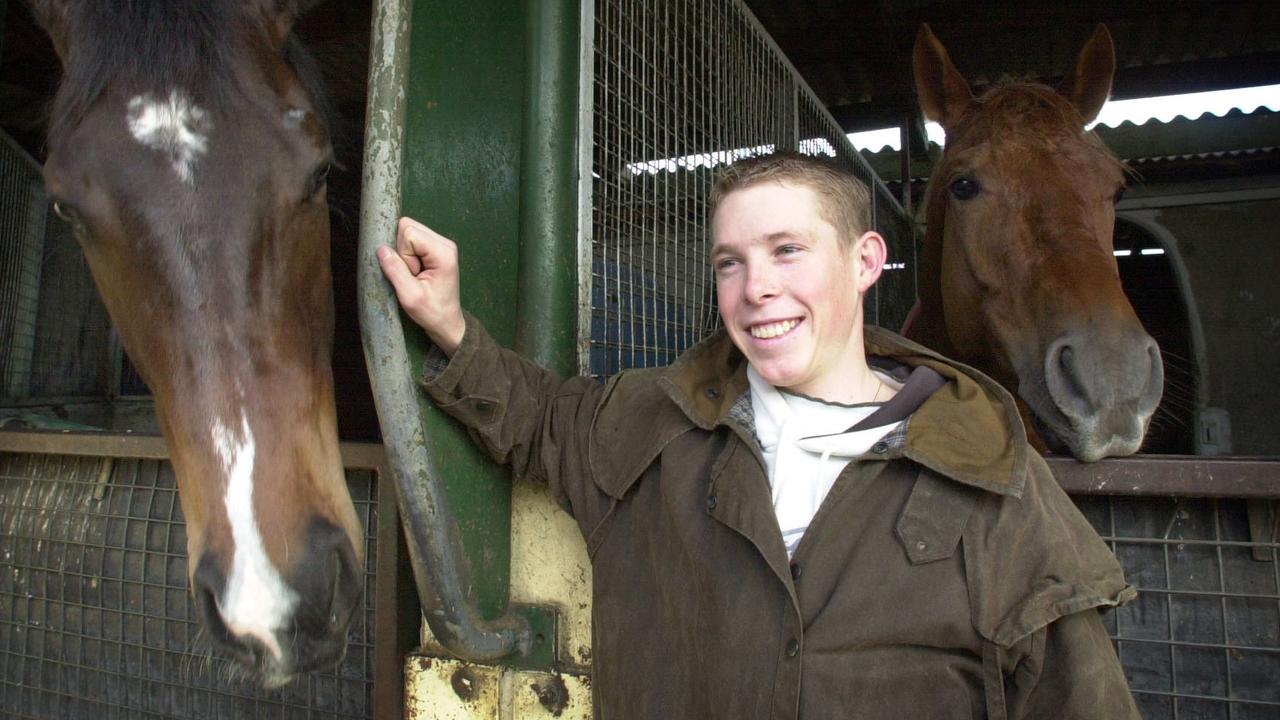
[943, 92]
[281, 14]
[1089, 84]
[51, 16]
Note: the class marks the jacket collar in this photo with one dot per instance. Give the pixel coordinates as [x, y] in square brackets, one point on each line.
[968, 430]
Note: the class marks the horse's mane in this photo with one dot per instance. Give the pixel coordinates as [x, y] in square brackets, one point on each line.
[156, 45]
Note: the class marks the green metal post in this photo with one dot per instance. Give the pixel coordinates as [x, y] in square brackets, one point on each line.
[461, 177]
[547, 326]
[490, 160]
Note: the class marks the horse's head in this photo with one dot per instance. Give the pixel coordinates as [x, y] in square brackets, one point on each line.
[1018, 275]
[188, 154]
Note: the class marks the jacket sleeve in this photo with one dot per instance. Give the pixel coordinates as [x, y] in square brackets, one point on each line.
[1038, 574]
[1072, 673]
[523, 416]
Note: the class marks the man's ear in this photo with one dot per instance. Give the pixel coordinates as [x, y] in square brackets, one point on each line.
[870, 252]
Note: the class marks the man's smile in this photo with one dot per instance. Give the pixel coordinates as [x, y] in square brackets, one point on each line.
[765, 331]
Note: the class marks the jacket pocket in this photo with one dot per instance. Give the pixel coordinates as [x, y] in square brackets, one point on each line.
[934, 517]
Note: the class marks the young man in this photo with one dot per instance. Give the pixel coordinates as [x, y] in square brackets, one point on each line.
[798, 518]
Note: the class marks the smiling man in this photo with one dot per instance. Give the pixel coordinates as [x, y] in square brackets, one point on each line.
[800, 518]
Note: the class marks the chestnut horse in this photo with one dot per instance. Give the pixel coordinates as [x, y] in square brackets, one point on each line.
[1017, 275]
[187, 153]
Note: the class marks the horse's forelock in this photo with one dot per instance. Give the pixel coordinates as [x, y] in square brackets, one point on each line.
[1038, 113]
[1011, 104]
[155, 46]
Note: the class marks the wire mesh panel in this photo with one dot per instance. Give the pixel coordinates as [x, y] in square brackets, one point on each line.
[22, 215]
[1202, 640]
[55, 337]
[679, 89]
[892, 297]
[96, 620]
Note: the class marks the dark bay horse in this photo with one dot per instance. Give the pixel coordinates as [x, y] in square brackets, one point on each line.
[187, 152]
[1017, 276]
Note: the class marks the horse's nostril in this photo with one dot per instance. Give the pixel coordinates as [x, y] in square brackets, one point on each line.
[347, 587]
[1066, 357]
[1067, 381]
[329, 579]
[207, 583]
[330, 575]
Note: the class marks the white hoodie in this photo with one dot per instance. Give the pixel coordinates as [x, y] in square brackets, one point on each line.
[805, 447]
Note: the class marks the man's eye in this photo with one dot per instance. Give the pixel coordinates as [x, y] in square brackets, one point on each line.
[725, 263]
[789, 249]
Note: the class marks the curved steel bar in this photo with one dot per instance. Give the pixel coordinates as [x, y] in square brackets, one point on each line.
[435, 550]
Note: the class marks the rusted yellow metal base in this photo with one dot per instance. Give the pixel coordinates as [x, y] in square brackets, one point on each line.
[438, 689]
[549, 567]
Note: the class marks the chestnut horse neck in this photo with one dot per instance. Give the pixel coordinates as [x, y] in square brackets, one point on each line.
[1017, 273]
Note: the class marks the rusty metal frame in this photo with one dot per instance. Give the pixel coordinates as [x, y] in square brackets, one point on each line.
[1171, 475]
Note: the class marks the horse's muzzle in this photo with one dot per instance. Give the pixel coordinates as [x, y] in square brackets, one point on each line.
[325, 585]
[1103, 392]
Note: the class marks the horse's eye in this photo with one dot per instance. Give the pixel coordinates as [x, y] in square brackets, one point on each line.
[965, 188]
[1119, 194]
[319, 177]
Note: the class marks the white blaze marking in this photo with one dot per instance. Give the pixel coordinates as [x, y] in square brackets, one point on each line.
[256, 601]
[174, 126]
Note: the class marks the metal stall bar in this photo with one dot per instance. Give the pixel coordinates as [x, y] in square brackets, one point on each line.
[474, 136]
[435, 548]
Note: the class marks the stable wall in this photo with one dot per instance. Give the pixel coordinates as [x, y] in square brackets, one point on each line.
[1224, 237]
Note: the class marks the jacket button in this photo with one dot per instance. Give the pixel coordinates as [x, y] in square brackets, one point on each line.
[713, 393]
[484, 405]
[711, 502]
[793, 647]
[795, 571]
[880, 447]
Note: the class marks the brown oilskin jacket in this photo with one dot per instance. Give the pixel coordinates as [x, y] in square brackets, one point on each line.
[949, 577]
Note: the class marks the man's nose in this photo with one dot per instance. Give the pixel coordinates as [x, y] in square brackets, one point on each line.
[762, 284]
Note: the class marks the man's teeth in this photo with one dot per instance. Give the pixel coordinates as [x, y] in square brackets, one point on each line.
[773, 330]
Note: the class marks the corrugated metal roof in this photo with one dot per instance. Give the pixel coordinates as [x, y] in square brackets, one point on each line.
[1234, 134]
[857, 56]
[1206, 134]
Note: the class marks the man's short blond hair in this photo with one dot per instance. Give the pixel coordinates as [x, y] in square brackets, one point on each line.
[843, 200]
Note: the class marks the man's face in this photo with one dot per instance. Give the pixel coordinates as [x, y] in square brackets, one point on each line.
[789, 292]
